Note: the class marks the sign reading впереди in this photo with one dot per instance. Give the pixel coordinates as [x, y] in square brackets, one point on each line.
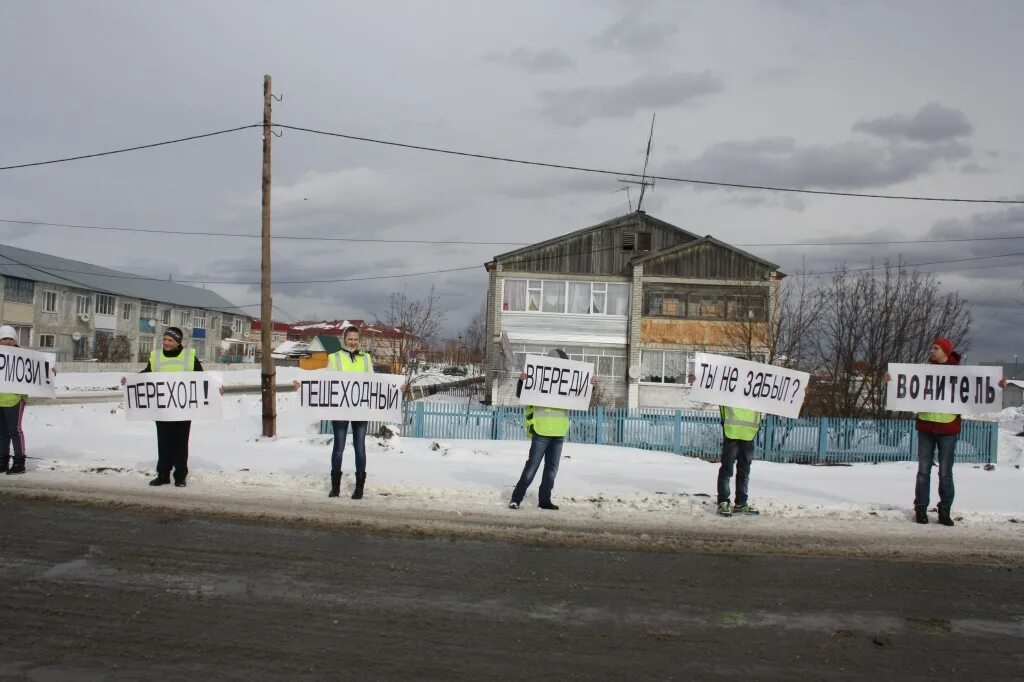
[554, 382]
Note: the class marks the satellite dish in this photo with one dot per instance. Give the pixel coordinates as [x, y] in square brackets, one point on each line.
[152, 324]
[506, 350]
[77, 336]
[634, 371]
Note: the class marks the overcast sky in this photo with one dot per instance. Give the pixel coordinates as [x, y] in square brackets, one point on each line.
[905, 98]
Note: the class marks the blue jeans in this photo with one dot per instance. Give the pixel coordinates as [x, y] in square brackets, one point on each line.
[548, 448]
[358, 442]
[738, 454]
[927, 443]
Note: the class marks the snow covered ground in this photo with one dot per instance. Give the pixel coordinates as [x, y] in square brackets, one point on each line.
[93, 443]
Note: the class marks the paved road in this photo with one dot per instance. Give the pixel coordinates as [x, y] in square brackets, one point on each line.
[93, 593]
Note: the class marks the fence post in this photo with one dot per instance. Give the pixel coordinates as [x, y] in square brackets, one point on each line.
[498, 414]
[822, 438]
[418, 429]
[769, 438]
[599, 426]
[993, 442]
[677, 433]
[913, 441]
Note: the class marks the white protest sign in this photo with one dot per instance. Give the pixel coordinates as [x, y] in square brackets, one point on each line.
[26, 372]
[173, 396]
[722, 380]
[553, 382]
[950, 389]
[352, 396]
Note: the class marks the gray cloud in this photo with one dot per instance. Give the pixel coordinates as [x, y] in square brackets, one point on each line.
[636, 33]
[844, 166]
[575, 106]
[549, 60]
[933, 122]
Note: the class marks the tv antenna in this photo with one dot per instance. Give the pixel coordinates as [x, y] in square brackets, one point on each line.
[643, 181]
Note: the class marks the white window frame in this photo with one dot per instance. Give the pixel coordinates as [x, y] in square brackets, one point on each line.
[199, 319]
[165, 316]
[689, 371]
[104, 298]
[238, 325]
[183, 317]
[536, 287]
[51, 337]
[147, 310]
[47, 294]
[126, 310]
[83, 304]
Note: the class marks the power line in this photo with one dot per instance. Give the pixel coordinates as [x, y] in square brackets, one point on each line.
[693, 181]
[469, 242]
[129, 149]
[911, 265]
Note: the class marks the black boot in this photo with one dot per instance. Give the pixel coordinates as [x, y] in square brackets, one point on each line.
[161, 479]
[357, 494]
[17, 467]
[548, 505]
[5, 463]
[944, 517]
[335, 484]
[921, 514]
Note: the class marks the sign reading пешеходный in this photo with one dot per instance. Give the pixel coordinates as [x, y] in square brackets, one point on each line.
[352, 396]
[732, 382]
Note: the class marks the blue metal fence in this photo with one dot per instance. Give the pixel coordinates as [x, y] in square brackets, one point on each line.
[811, 440]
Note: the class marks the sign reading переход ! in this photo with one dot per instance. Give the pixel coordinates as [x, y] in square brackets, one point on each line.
[173, 396]
[949, 389]
[732, 382]
[553, 382]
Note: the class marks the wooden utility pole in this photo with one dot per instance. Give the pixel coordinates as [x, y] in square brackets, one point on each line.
[268, 378]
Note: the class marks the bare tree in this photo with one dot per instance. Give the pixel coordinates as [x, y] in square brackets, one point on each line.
[475, 335]
[869, 319]
[411, 325]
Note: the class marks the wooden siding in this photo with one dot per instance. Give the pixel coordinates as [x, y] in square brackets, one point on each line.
[707, 261]
[595, 252]
[686, 332]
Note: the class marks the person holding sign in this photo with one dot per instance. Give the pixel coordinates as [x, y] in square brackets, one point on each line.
[349, 359]
[12, 409]
[937, 435]
[547, 427]
[739, 430]
[172, 436]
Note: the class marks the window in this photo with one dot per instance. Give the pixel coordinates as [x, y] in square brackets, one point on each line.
[47, 341]
[183, 318]
[636, 241]
[199, 319]
[19, 290]
[735, 303]
[147, 311]
[215, 323]
[80, 348]
[200, 347]
[608, 362]
[165, 316]
[105, 305]
[82, 305]
[745, 308]
[126, 311]
[556, 296]
[553, 297]
[50, 299]
[145, 348]
[666, 367]
[238, 325]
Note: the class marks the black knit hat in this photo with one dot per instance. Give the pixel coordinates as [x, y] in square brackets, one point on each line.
[175, 333]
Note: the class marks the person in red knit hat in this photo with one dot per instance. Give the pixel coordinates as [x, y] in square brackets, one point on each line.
[937, 434]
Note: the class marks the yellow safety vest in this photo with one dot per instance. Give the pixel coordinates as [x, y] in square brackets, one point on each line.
[937, 417]
[546, 421]
[740, 424]
[185, 362]
[343, 362]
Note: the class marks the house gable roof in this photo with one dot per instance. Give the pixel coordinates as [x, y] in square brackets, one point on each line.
[706, 241]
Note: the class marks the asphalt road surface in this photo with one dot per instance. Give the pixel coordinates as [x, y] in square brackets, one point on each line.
[94, 594]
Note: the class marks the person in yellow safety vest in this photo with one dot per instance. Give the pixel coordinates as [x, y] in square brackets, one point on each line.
[739, 430]
[172, 436]
[349, 359]
[12, 410]
[546, 427]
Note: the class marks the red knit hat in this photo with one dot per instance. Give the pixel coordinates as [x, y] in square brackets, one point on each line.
[945, 344]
